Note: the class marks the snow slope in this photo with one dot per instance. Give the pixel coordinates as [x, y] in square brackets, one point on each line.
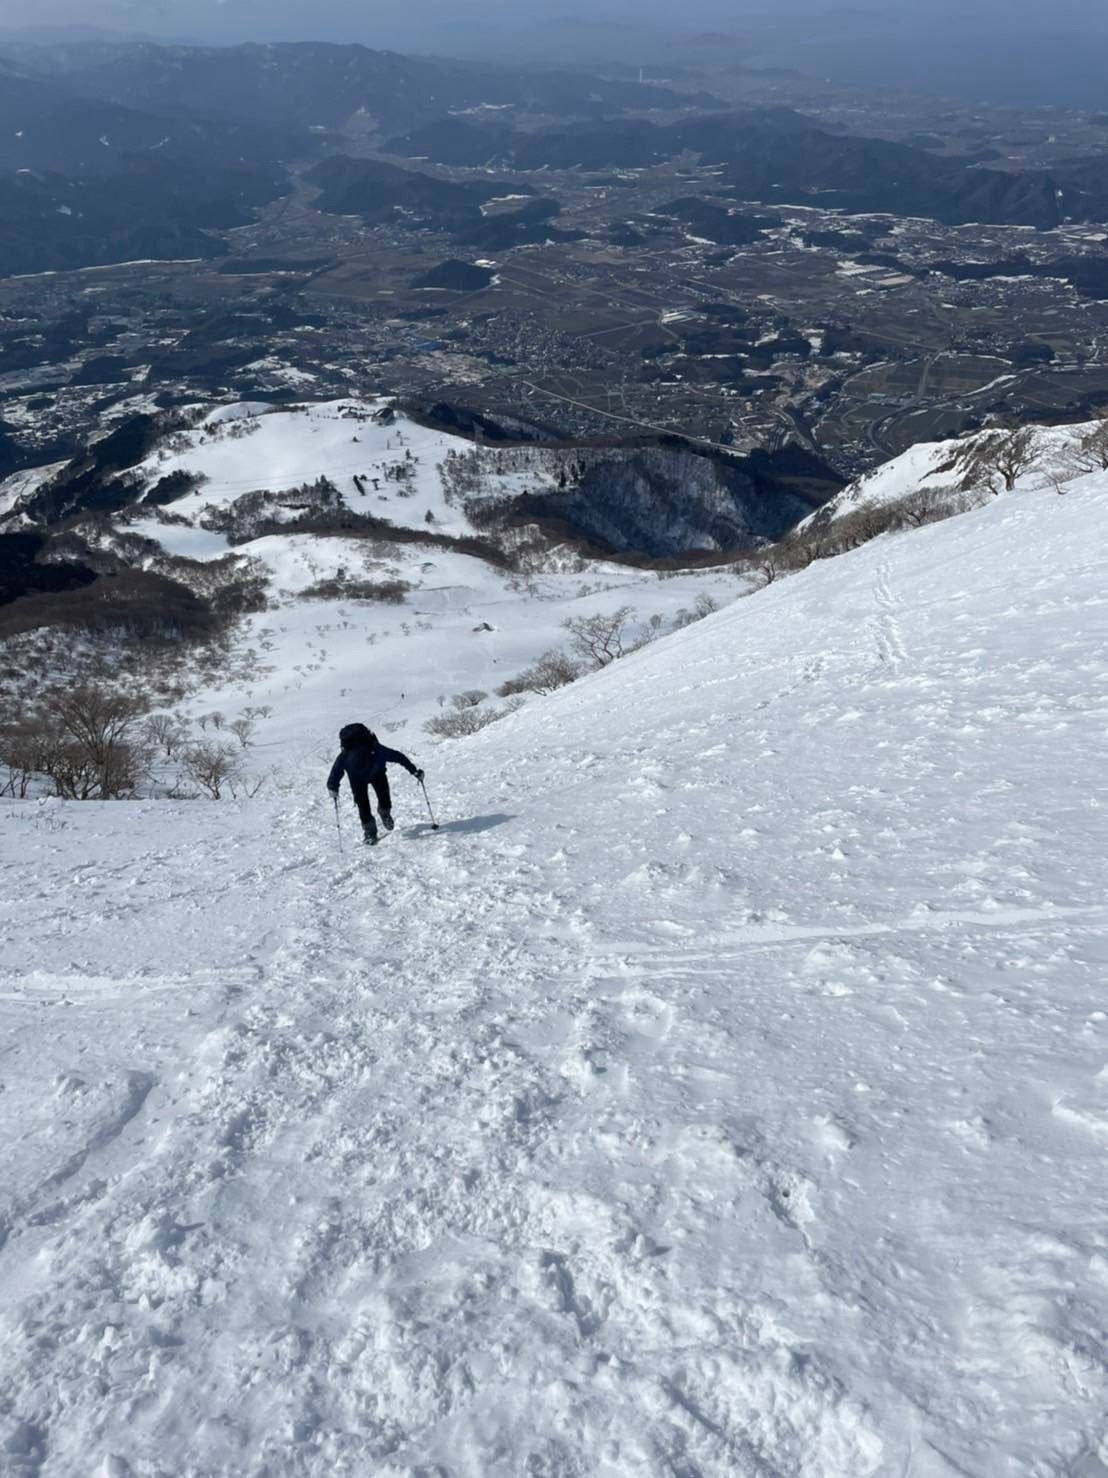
[20, 485]
[244, 447]
[721, 1090]
[464, 625]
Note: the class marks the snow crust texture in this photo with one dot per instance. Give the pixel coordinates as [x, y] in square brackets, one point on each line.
[721, 1090]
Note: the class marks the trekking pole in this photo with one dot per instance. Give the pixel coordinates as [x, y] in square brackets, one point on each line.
[338, 826]
[434, 823]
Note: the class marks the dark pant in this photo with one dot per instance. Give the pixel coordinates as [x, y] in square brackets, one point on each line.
[361, 799]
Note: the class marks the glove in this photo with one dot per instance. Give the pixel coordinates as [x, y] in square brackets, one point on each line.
[333, 791]
[418, 774]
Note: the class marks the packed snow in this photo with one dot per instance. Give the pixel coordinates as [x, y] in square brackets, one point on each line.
[720, 1090]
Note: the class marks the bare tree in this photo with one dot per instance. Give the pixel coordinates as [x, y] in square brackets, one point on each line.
[1014, 455]
[22, 753]
[601, 638]
[1004, 454]
[92, 739]
[213, 767]
[1091, 453]
[72, 773]
[165, 733]
[243, 730]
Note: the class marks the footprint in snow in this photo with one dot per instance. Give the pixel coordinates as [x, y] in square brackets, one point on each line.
[648, 1016]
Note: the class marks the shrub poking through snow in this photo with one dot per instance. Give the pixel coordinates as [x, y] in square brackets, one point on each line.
[553, 670]
[702, 606]
[468, 717]
[389, 592]
[471, 698]
[213, 767]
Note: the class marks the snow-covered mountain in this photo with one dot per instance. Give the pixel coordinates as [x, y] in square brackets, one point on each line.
[721, 1089]
[334, 505]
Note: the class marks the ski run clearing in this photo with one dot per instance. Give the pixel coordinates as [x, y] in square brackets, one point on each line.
[721, 1090]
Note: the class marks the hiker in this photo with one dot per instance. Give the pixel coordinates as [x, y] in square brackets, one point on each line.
[363, 761]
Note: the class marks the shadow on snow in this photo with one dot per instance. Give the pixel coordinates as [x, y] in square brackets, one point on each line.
[467, 823]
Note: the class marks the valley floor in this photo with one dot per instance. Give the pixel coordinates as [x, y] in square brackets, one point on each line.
[721, 1090]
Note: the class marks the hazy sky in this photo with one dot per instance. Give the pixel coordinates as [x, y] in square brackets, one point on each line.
[366, 20]
[1033, 52]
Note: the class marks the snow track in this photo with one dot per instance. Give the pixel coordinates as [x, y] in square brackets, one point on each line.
[720, 1091]
[890, 647]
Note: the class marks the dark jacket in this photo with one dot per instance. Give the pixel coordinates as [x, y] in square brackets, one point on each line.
[364, 762]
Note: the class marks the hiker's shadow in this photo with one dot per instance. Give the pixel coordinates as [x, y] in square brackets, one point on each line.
[467, 824]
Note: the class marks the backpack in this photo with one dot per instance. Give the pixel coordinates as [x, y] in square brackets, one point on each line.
[356, 736]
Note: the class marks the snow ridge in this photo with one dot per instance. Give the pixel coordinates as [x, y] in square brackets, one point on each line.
[1053, 460]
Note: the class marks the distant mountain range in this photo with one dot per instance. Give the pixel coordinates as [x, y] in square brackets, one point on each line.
[776, 156]
[151, 210]
[110, 150]
[306, 86]
[45, 125]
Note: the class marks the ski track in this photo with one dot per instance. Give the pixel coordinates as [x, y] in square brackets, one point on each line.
[720, 1091]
